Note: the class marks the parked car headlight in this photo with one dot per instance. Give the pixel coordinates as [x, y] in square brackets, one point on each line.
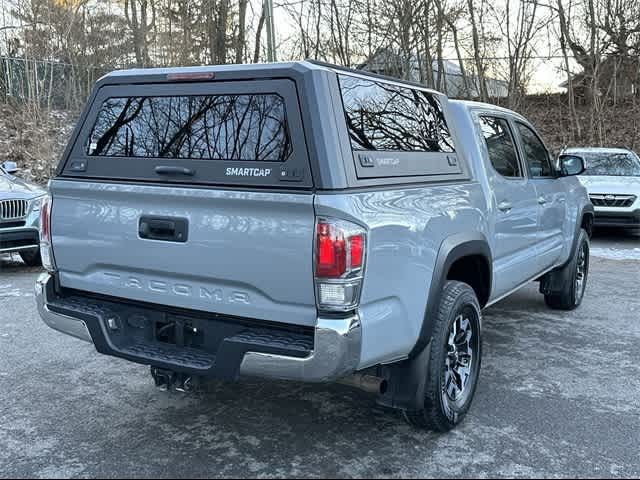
[36, 203]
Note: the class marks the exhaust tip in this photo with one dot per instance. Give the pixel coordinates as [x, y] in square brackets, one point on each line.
[366, 383]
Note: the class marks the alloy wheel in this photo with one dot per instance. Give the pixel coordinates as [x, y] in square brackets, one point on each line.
[582, 270]
[460, 357]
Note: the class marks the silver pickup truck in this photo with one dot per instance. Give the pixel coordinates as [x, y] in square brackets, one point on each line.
[304, 222]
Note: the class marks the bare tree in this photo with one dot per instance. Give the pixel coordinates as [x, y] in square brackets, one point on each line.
[141, 17]
[451, 18]
[563, 38]
[216, 14]
[241, 39]
[519, 27]
[256, 53]
[477, 52]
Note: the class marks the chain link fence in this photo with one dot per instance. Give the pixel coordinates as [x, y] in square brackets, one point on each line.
[53, 85]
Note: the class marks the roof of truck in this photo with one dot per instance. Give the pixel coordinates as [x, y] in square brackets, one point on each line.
[470, 105]
[253, 67]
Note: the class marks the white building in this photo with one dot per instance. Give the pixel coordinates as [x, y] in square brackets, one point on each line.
[392, 64]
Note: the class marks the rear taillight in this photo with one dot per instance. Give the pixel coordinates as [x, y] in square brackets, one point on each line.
[339, 264]
[46, 251]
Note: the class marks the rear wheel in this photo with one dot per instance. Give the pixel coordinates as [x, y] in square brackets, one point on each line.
[31, 257]
[454, 365]
[576, 273]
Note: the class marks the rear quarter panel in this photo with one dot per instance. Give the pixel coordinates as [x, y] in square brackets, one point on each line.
[407, 226]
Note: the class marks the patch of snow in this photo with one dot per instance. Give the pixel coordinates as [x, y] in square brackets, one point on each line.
[15, 293]
[8, 290]
[616, 253]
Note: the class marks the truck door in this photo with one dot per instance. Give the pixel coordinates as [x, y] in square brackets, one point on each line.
[514, 207]
[550, 195]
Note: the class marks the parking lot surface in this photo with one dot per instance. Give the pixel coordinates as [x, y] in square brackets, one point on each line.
[559, 396]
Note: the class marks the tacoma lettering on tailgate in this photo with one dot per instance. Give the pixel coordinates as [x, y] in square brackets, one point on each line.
[213, 294]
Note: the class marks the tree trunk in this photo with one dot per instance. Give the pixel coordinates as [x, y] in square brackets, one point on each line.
[185, 18]
[221, 31]
[256, 51]
[241, 41]
[565, 54]
[138, 21]
[456, 44]
[131, 13]
[318, 28]
[482, 82]
[441, 78]
[428, 57]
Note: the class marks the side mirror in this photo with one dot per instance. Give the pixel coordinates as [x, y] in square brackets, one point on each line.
[571, 165]
[10, 167]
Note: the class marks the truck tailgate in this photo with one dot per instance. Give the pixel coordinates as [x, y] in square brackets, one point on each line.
[246, 254]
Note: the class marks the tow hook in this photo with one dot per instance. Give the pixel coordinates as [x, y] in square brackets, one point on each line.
[167, 380]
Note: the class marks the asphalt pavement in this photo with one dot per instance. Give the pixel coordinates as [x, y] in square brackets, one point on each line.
[559, 396]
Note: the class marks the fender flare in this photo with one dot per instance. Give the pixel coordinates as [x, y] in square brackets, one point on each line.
[452, 249]
[586, 209]
[407, 379]
[555, 280]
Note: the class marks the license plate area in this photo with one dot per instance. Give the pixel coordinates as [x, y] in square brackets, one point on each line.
[179, 331]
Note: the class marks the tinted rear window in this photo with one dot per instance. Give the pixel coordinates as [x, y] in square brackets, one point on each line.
[211, 127]
[244, 132]
[501, 147]
[386, 117]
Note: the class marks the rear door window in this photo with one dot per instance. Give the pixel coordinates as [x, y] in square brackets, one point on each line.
[536, 154]
[501, 147]
[396, 130]
[243, 132]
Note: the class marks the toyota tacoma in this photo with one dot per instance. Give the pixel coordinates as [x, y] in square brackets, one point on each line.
[304, 222]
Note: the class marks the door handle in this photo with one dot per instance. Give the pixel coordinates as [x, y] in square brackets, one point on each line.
[505, 206]
[160, 228]
[542, 200]
[164, 229]
[171, 170]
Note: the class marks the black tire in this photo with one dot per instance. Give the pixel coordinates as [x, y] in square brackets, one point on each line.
[576, 274]
[31, 257]
[442, 410]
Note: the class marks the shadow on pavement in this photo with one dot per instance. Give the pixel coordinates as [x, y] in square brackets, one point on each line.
[12, 263]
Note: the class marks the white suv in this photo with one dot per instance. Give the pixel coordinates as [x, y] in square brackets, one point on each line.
[612, 178]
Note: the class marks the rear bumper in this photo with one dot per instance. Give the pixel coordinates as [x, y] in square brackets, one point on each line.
[609, 218]
[62, 323]
[328, 353]
[336, 354]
